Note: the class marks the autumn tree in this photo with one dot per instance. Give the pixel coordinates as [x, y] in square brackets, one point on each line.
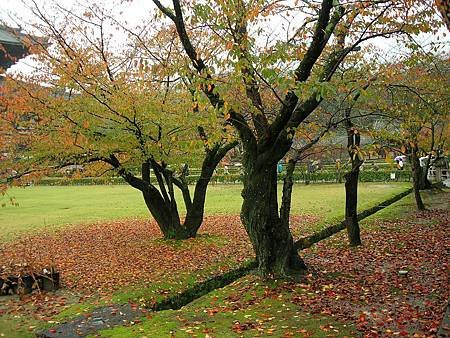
[356, 159]
[292, 63]
[415, 94]
[342, 116]
[104, 108]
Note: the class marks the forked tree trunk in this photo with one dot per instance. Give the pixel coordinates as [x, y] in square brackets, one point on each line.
[167, 219]
[270, 236]
[162, 203]
[416, 173]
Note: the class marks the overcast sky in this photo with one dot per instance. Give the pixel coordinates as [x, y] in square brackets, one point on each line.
[133, 12]
[136, 11]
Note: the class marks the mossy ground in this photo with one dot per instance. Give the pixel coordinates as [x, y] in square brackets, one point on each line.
[240, 309]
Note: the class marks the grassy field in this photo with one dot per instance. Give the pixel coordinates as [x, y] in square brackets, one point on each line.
[47, 207]
[253, 313]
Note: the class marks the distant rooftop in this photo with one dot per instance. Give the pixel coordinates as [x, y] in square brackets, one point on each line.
[12, 49]
[7, 36]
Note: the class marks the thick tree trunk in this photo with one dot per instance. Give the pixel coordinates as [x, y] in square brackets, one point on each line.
[417, 172]
[270, 236]
[351, 202]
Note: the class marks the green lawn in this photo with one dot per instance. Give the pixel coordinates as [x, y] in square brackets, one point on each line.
[47, 207]
[236, 311]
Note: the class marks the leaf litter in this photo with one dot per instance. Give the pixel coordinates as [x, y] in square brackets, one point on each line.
[361, 286]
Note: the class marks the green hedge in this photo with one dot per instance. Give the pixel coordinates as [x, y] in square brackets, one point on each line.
[364, 176]
[81, 181]
[320, 176]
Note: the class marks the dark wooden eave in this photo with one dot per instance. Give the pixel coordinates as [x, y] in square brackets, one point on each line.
[12, 47]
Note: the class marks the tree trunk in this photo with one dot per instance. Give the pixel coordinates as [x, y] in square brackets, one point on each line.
[417, 172]
[161, 203]
[195, 210]
[195, 213]
[270, 236]
[286, 200]
[351, 202]
[424, 182]
[165, 215]
[351, 179]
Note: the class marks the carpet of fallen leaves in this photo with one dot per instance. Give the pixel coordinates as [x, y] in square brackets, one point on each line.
[100, 258]
[353, 285]
[105, 256]
[362, 286]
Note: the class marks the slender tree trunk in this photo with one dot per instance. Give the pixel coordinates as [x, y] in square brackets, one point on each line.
[288, 182]
[351, 202]
[195, 210]
[270, 236]
[416, 171]
[424, 182]
[351, 180]
[195, 213]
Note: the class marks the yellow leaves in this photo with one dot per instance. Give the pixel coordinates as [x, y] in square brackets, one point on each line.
[254, 12]
[88, 14]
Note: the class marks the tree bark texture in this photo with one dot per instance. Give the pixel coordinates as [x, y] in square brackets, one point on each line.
[351, 202]
[269, 234]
